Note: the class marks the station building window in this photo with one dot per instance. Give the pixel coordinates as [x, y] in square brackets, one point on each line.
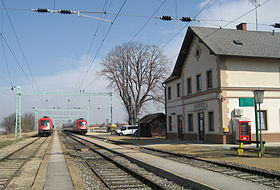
[209, 79]
[189, 85]
[169, 92]
[211, 121]
[198, 83]
[190, 122]
[178, 89]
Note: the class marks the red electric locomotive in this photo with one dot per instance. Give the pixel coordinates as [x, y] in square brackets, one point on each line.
[45, 126]
[80, 126]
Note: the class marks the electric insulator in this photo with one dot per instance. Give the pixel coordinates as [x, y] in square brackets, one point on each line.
[186, 19]
[276, 25]
[42, 10]
[65, 12]
[166, 18]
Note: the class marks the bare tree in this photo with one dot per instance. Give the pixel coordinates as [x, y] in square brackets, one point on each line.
[8, 123]
[136, 72]
[27, 121]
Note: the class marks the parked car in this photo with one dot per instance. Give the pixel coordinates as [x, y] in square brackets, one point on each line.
[127, 130]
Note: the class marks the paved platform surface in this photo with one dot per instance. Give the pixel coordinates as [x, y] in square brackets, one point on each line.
[58, 176]
[213, 152]
[210, 179]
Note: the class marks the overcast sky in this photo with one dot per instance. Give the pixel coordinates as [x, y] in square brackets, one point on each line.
[61, 53]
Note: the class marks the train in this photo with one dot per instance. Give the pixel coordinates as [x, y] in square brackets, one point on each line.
[46, 126]
[79, 126]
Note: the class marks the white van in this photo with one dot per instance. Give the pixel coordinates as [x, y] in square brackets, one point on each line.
[127, 130]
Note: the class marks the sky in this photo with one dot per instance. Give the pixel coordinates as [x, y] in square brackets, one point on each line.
[52, 52]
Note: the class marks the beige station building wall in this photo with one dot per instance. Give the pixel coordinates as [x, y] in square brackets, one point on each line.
[233, 78]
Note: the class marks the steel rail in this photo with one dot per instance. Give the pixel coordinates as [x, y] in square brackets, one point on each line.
[242, 169]
[145, 180]
[24, 162]
[91, 167]
[18, 149]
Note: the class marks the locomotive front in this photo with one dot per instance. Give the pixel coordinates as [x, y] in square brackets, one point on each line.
[81, 126]
[45, 126]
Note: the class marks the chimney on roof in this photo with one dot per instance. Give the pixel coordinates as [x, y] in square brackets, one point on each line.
[241, 26]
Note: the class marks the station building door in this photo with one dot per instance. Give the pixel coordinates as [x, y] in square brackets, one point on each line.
[201, 126]
[180, 127]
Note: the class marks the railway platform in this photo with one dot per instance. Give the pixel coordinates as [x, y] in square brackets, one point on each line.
[212, 152]
[58, 175]
[203, 178]
[57, 170]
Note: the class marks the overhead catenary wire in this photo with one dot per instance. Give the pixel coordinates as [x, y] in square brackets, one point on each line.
[101, 44]
[147, 21]
[4, 54]
[22, 52]
[16, 60]
[181, 29]
[90, 47]
[235, 20]
[69, 12]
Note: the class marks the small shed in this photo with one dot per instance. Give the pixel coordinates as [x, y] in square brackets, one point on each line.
[153, 125]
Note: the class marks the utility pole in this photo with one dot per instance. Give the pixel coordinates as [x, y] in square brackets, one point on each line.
[18, 112]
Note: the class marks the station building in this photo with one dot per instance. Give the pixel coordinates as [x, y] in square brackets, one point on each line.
[212, 85]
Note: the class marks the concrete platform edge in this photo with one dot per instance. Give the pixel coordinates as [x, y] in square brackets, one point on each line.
[39, 182]
[188, 183]
[76, 178]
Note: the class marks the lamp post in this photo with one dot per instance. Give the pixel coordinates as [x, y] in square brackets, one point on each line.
[258, 95]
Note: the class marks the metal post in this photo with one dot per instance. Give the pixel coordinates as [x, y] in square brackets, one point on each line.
[88, 115]
[257, 125]
[111, 105]
[261, 144]
[139, 132]
[18, 112]
[36, 119]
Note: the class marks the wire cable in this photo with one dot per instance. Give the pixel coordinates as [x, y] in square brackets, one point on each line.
[90, 48]
[235, 19]
[17, 62]
[32, 76]
[176, 34]
[103, 40]
[4, 55]
[147, 21]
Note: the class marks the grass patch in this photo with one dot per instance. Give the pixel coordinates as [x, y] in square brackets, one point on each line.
[6, 140]
[5, 143]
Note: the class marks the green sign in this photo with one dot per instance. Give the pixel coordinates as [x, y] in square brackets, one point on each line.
[246, 102]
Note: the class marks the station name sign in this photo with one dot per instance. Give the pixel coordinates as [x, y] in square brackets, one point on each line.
[200, 106]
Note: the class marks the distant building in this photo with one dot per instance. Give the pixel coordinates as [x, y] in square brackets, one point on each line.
[213, 81]
[153, 125]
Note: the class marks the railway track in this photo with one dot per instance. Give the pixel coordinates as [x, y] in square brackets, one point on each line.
[11, 165]
[112, 173]
[245, 173]
[254, 175]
